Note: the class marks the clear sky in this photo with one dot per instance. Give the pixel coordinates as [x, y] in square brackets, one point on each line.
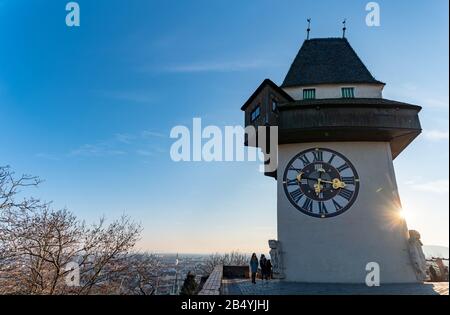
[90, 109]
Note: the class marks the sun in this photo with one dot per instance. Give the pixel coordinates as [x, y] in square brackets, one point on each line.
[404, 214]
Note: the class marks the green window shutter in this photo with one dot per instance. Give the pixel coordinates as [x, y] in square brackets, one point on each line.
[348, 92]
[309, 94]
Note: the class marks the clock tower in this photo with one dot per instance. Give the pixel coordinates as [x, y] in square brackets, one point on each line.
[338, 203]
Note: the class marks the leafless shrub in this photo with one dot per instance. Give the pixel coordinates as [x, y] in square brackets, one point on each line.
[140, 276]
[37, 243]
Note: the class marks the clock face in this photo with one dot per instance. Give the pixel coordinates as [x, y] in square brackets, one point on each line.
[321, 183]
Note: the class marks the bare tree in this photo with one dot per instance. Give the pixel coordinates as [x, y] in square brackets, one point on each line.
[140, 277]
[11, 210]
[37, 244]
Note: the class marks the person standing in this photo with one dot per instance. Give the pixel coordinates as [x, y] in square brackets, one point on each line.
[254, 267]
[433, 274]
[269, 269]
[263, 265]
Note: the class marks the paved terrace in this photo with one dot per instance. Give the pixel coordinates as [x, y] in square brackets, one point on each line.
[214, 283]
[276, 287]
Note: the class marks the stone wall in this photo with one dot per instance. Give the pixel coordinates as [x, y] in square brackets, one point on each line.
[236, 272]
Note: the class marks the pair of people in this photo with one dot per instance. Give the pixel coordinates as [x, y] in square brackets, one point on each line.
[264, 263]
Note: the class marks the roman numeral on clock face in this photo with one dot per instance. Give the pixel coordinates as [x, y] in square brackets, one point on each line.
[296, 195]
[348, 180]
[322, 208]
[308, 205]
[331, 158]
[318, 156]
[343, 167]
[337, 206]
[292, 182]
[345, 193]
[304, 159]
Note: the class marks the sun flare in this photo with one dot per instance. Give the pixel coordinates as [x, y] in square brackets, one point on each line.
[404, 214]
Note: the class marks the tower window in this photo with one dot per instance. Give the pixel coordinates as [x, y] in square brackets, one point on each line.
[348, 92]
[255, 113]
[309, 94]
[274, 104]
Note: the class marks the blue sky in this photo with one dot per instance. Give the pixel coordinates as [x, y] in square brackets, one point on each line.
[90, 109]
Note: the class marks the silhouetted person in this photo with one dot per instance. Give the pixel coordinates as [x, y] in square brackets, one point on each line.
[269, 269]
[263, 265]
[433, 274]
[254, 267]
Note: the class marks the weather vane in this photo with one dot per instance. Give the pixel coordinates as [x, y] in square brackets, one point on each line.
[309, 29]
[344, 28]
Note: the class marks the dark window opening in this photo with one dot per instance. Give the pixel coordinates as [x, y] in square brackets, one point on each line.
[274, 104]
[255, 113]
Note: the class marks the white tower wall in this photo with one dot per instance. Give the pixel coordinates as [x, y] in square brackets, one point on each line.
[337, 249]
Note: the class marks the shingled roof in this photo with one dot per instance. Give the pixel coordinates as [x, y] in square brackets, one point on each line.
[327, 61]
[266, 82]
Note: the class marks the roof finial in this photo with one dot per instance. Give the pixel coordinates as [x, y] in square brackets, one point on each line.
[344, 28]
[309, 29]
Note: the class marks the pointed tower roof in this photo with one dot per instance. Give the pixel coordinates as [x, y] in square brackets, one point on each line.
[327, 61]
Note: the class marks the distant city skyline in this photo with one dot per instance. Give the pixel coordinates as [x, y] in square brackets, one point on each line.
[90, 109]
[430, 251]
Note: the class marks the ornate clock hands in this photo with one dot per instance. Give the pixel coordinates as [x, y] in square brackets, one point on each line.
[337, 183]
[318, 187]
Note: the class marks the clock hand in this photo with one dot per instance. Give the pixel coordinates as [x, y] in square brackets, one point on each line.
[337, 183]
[318, 187]
[300, 177]
[309, 178]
